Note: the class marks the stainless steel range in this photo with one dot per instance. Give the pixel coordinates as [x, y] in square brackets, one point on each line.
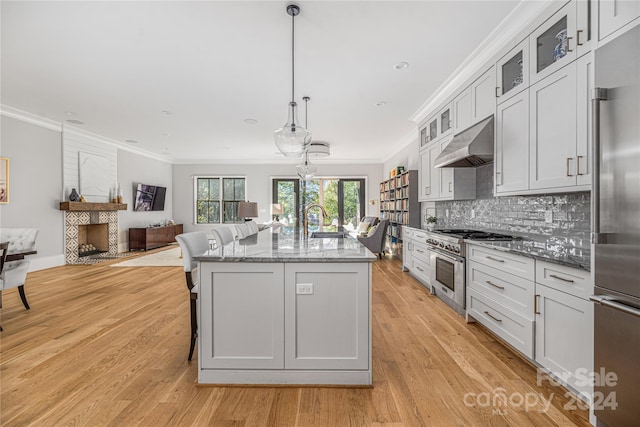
[448, 272]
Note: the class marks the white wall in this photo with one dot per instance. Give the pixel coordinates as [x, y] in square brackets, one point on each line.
[259, 185]
[35, 186]
[134, 169]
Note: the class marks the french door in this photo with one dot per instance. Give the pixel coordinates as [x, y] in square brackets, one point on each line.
[342, 198]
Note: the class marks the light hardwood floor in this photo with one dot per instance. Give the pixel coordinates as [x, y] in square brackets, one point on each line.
[108, 346]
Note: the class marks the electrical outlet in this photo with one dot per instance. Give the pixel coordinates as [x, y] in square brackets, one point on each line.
[473, 213]
[304, 288]
[548, 216]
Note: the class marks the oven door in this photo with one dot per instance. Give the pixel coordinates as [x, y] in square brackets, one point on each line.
[447, 275]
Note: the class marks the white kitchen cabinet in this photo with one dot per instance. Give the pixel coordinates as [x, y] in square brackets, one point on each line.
[445, 183]
[246, 316]
[407, 250]
[476, 102]
[445, 122]
[483, 96]
[418, 262]
[585, 83]
[512, 144]
[512, 72]
[566, 279]
[584, 28]
[425, 176]
[434, 173]
[462, 111]
[329, 328]
[553, 130]
[564, 336]
[615, 14]
[553, 44]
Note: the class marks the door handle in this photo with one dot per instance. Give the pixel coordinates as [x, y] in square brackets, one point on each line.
[578, 37]
[599, 94]
[568, 48]
[616, 305]
[578, 165]
[568, 165]
[497, 90]
[450, 186]
[536, 301]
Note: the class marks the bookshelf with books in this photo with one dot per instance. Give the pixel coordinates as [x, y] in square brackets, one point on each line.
[399, 204]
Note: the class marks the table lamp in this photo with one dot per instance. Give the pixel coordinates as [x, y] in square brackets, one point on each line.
[248, 210]
[276, 211]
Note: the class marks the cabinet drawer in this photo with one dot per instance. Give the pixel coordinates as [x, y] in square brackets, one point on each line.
[570, 280]
[421, 270]
[421, 251]
[509, 263]
[511, 291]
[420, 235]
[505, 323]
[407, 233]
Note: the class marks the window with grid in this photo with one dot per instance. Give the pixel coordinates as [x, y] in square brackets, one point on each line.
[217, 199]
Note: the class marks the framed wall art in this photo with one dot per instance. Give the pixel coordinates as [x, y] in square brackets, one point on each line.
[4, 180]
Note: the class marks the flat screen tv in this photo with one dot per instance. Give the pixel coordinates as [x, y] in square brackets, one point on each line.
[149, 198]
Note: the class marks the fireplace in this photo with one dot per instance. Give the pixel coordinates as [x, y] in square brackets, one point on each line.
[93, 239]
[96, 228]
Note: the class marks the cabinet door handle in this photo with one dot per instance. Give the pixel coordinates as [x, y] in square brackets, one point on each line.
[450, 186]
[427, 190]
[569, 44]
[494, 259]
[494, 318]
[568, 163]
[578, 165]
[497, 90]
[420, 251]
[578, 38]
[536, 301]
[494, 285]
[561, 278]
[498, 182]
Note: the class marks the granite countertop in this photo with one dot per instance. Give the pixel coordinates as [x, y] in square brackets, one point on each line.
[268, 246]
[572, 257]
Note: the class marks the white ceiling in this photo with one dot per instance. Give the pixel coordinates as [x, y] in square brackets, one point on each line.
[213, 64]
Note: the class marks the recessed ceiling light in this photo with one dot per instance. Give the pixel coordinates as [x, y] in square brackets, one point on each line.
[166, 112]
[381, 103]
[70, 113]
[165, 134]
[250, 121]
[401, 66]
[131, 141]
[75, 122]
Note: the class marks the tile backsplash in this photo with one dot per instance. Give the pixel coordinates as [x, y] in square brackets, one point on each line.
[569, 214]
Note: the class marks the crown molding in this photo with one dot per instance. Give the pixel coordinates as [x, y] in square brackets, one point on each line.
[317, 162]
[25, 116]
[72, 130]
[501, 38]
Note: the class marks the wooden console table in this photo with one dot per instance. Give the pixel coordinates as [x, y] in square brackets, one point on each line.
[153, 237]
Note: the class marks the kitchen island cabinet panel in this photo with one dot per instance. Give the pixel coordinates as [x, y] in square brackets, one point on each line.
[328, 328]
[243, 328]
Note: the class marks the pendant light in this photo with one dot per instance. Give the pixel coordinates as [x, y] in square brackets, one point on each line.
[306, 171]
[292, 138]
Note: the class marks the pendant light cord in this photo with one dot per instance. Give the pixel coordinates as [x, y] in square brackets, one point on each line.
[293, 55]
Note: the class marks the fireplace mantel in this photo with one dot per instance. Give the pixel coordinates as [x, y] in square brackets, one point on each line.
[87, 206]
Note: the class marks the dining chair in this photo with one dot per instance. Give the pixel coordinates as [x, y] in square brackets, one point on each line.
[14, 273]
[242, 230]
[4, 247]
[192, 244]
[223, 235]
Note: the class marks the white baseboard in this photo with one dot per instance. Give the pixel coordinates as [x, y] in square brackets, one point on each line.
[40, 263]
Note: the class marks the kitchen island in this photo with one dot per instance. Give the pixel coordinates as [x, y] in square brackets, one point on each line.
[281, 308]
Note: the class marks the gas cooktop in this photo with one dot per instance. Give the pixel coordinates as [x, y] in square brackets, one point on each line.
[474, 234]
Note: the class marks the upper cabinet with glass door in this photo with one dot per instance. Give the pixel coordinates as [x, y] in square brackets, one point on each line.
[445, 120]
[429, 132]
[512, 72]
[553, 44]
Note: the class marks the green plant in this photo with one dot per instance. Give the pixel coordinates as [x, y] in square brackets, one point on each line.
[431, 219]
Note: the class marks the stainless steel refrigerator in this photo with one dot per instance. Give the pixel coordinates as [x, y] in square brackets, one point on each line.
[616, 230]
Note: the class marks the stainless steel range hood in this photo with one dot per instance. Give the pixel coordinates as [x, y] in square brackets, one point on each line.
[470, 148]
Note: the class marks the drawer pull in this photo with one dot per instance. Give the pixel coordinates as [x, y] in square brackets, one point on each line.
[494, 259]
[494, 285]
[494, 318]
[561, 278]
[420, 269]
[536, 298]
[420, 251]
